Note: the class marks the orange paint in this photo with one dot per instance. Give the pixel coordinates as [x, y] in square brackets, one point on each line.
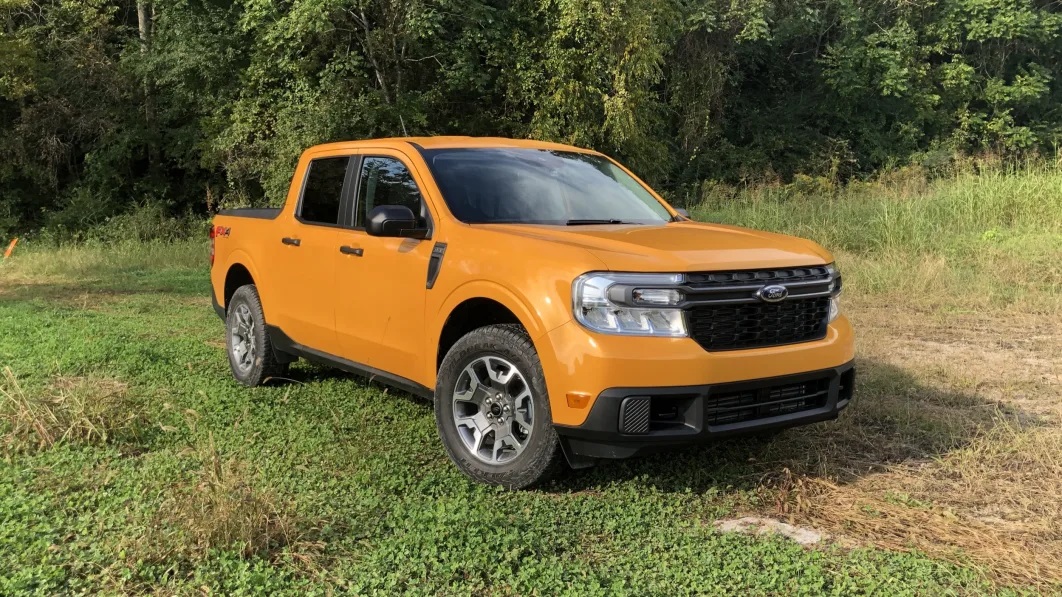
[10, 248]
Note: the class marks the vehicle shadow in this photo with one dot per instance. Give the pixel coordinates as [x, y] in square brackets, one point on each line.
[895, 418]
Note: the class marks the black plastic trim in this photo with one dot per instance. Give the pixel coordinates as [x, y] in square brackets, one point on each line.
[600, 436]
[435, 263]
[217, 306]
[259, 213]
[282, 342]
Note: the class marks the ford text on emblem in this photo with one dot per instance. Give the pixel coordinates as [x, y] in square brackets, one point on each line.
[772, 293]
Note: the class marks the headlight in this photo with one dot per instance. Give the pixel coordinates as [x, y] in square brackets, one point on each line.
[632, 304]
[835, 308]
[835, 288]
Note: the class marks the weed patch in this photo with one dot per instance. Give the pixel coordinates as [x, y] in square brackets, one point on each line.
[224, 506]
[90, 409]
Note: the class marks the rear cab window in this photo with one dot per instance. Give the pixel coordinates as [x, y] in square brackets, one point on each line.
[322, 193]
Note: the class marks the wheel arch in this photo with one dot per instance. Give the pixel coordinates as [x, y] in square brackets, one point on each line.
[478, 304]
[237, 276]
[239, 270]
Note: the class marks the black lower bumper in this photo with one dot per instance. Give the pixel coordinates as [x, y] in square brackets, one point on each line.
[624, 422]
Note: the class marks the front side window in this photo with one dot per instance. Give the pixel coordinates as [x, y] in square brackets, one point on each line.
[322, 193]
[386, 181]
[538, 186]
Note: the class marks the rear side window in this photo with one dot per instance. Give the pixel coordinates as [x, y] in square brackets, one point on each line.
[321, 196]
[386, 181]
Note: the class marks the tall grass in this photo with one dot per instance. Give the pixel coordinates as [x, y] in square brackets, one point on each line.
[987, 237]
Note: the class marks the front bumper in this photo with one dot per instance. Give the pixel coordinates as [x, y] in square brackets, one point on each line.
[624, 422]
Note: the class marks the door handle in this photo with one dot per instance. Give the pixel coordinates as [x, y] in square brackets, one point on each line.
[291, 241]
[355, 251]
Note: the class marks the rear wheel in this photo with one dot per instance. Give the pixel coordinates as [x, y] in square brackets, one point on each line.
[251, 354]
[492, 409]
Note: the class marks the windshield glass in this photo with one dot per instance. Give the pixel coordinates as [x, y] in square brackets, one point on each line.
[538, 186]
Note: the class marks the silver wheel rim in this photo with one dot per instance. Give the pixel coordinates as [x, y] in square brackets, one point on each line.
[493, 410]
[242, 338]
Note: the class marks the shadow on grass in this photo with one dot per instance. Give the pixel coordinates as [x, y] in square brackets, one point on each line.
[895, 419]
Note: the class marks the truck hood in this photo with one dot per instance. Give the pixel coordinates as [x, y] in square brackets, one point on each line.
[678, 246]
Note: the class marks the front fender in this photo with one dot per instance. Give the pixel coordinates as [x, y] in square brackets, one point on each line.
[537, 321]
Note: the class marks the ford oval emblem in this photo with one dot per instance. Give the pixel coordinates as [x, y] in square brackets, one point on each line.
[773, 293]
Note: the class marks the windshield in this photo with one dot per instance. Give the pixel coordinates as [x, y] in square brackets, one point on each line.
[538, 186]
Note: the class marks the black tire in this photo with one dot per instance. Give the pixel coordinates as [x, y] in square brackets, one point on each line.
[264, 364]
[541, 457]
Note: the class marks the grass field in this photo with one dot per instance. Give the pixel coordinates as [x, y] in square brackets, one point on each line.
[133, 463]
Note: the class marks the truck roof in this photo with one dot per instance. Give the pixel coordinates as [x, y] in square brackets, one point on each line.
[449, 143]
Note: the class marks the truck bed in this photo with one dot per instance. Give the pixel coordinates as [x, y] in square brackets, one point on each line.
[261, 213]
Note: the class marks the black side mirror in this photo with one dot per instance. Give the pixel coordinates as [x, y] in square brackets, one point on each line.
[394, 220]
[683, 212]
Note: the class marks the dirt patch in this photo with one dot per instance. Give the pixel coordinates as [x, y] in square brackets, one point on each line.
[953, 446]
[755, 525]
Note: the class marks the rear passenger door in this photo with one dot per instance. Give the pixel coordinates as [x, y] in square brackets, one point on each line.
[304, 257]
[381, 282]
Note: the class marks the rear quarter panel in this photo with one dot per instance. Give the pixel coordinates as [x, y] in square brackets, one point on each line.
[242, 241]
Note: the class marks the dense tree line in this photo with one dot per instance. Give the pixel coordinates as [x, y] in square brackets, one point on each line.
[188, 103]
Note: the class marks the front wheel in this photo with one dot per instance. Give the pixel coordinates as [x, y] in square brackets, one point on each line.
[492, 409]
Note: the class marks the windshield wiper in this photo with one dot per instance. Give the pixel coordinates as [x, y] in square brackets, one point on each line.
[592, 222]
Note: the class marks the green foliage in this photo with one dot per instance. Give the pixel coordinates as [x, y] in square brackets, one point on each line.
[213, 101]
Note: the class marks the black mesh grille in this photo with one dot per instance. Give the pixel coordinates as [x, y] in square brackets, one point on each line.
[753, 325]
[757, 277]
[771, 401]
[634, 415]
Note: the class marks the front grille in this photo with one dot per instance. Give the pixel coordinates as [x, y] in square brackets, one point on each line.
[725, 312]
[759, 277]
[755, 325]
[759, 403]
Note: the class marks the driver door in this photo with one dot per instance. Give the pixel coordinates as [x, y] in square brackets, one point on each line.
[381, 282]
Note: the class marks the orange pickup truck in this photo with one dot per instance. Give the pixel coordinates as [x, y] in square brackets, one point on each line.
[547, 300]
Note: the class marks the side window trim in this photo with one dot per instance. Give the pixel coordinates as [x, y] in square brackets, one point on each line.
[348, 200]
[345, 193]
[356, 199]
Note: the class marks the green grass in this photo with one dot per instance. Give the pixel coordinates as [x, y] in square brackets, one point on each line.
[379, 506]
[355, 479]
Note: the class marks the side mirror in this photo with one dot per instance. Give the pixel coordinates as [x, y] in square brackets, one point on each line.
[683, 212]
[394, 220]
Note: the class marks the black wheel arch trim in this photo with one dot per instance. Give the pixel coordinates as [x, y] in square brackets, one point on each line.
[217, 306]
[283, 343]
